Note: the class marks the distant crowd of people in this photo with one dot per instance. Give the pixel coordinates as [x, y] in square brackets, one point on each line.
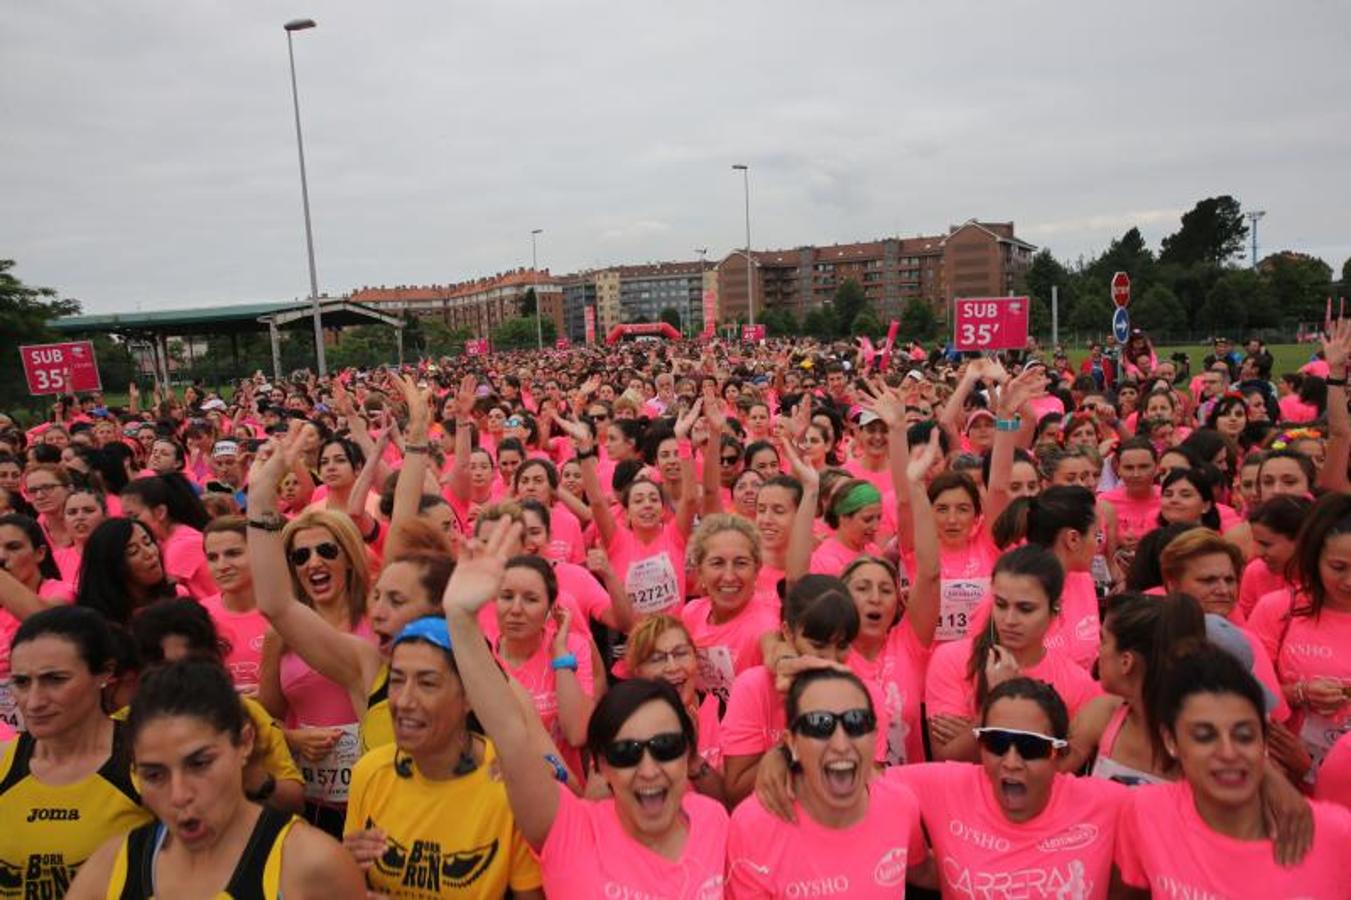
[686, 620]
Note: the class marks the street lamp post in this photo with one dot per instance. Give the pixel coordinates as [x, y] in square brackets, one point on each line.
[703, 263]
[534, 285]
[302, 25]
[750, 272]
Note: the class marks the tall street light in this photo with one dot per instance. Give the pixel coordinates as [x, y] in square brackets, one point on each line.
[302, 25]
[750, 274]
[534, 285]
[703, 260]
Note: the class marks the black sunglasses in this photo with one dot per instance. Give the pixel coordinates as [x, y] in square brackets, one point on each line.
[1030, 744]
[327, 550]
[820, 724]
[731, 460]
[665, 747]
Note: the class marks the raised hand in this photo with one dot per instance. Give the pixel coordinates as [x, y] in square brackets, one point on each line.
[1337, 345]
[802, 470]
[686, 422]
[275, 458]
[482, 564]
[886, 402]
[923, 460]
[466, 397]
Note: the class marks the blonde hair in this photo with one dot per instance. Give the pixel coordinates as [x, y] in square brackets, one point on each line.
[347, 538]
[643, 639]
[507, 509]
[1193, 544]
[716, 524]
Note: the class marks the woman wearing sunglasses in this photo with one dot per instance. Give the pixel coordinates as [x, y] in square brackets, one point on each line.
[1027, 586]
[859, 835]
[661, 649]
[435, 786]
[1207, 835]
[819, 623]
[653, 835]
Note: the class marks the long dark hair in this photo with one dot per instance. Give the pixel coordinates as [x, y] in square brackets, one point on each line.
[38, 540]
[1031, 560]
[174, 492]
[104, 575]
[1330, 517]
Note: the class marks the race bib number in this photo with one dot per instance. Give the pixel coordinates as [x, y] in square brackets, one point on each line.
[1318, 734]
[957, 601]
[652, 585]
[9, 706]
[328, 780]
[716, 671]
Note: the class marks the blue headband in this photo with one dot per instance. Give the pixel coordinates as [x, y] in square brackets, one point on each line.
[432, 629]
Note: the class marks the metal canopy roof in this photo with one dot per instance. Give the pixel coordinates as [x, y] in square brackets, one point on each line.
[244, 317]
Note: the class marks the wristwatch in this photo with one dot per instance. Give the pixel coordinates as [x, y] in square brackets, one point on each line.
[268, 521]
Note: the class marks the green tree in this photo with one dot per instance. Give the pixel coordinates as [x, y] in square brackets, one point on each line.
[671, 316]
[1300, 285]
[1346, 274]
[1229, 301]
[1192, 285]
[1044, 273]
[1212, 231]
[867, 323]
[117, 366]
[517, 334]
[1159, 312]
[821, 322]
[442, 340]
[363, 346]
[849, 302]
[918, 321]
[1092, 314]
[779, 322]
[24, 313]
[526, 305]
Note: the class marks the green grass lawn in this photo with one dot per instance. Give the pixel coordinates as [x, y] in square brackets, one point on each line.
[1288, 357]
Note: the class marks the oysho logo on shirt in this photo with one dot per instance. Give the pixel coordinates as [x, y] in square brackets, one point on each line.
[1315, 651]
[975, 836]
[1072, 838]
[828, 886]
[890, 869]
[1171, 887]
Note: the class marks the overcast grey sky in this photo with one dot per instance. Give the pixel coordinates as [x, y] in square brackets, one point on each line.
[147, 149]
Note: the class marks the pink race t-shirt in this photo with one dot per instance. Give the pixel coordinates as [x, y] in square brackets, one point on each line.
[756, 719]
[727, 649]
[1258, 581]
[1163, 845]
[653, 573]
[244, 632]
[1296, 410]
[565, 535]
[1135, 517]
[312, 699]
[588, 854]
[185, 561]
[1076, 631]
[588, 594]
[1334, 776]
[897, 676]
[1063, 851]
[964, 578]
[832, 556]
[770, 858]
[948, 691]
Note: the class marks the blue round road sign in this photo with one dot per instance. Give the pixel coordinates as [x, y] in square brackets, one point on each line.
[1121, 325]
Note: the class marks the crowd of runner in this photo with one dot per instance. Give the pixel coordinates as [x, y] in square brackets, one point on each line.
[688, 620]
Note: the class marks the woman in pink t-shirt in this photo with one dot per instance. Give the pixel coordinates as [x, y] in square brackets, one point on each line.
[238, 620]
[730, 624]
[1208, 835]
[1286, 471]
[1118, 732]
[855, 514]
[1311, 629]
[537, 479]
[1027, 585]
[538, 648]
[1136, 501]
[29, 583]
[1011, 826]
[1275, 523]
[648, 552]
[654, 836]
[595, 592]
[85, 508]
[859, 835]
[168, 506]
[661, 649]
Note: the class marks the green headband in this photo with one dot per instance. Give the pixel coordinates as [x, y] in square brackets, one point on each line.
[857, 497]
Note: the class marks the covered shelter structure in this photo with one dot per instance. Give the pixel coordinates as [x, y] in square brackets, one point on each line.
[155, 328]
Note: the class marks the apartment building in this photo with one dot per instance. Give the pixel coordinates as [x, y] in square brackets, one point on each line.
[479, 305]
[972, 259]
[638, 294]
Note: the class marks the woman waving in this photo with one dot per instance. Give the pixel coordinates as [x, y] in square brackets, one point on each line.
[655, 836]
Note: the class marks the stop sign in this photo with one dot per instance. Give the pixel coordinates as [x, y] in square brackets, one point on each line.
[1121, 289]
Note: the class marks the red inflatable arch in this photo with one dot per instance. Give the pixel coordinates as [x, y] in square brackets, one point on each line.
[660, 329]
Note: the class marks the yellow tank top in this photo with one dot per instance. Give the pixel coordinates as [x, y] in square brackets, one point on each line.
[50, 830]
[377, 728]
[257, 875]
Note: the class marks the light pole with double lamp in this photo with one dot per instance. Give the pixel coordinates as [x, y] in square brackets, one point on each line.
[534, 286]
[750, 273]
[302, 25]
